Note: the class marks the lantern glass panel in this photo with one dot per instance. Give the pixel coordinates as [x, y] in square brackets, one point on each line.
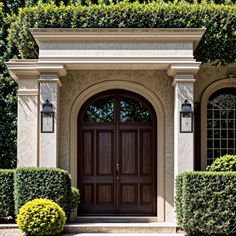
[186, 122]
[47, 122]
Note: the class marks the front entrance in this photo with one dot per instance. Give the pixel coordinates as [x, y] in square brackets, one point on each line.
[117, 155]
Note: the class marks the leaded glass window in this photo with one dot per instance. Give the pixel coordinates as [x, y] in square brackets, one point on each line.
[133, 111]
[101, 110]
[221, 124]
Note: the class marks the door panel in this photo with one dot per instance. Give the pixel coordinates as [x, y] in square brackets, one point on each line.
[116, 156]
[88, 160]
[128, 148]
[105, 140]
[145, 151]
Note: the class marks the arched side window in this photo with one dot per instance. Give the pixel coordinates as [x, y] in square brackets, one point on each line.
[221, 124]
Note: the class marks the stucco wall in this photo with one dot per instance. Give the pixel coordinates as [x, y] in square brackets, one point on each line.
[209, 74]
[156, 81]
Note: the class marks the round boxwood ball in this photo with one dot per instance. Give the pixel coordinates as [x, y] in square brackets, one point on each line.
[224, 163]
[41, 217]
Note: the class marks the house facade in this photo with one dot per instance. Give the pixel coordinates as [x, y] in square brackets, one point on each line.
[117, 97]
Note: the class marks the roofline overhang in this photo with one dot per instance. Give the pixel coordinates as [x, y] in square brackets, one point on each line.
[60, 65]
[166, 35]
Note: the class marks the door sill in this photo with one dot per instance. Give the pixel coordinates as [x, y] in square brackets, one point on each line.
[116, 219]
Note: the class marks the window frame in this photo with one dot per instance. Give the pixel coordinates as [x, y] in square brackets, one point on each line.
[211, 89]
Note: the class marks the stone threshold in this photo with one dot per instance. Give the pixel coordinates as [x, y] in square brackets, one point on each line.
[150, 227]
[116, 219]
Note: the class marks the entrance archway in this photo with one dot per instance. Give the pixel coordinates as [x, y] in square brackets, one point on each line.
[117, 155]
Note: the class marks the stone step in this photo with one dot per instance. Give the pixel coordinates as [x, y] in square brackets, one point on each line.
[150, 227]
[115, 219]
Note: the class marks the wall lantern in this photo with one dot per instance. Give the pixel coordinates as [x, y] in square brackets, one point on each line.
[186, 118]
[47, 118]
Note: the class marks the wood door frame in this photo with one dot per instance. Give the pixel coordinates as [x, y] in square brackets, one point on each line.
[119, 127]
[160, 113]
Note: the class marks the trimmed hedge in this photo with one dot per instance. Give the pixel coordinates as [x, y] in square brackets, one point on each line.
[50, 183]
[75, 200]
[6, 194]
[217, 45]
[206, 202]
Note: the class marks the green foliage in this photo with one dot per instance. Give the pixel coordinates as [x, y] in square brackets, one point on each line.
[41, 217]
[205, 202]
[8, 101]
[50, 183]
[224, 163]
[217, 45]
[6, 194]
[75, 198]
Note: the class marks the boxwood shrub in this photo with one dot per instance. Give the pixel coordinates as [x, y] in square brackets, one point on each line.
[205, 202]
[50, 183]
[217, 45]
[41, 217]
[6, 194]
[224, 163]
[75, 198]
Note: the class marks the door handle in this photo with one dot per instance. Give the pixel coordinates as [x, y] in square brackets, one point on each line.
[117, 171]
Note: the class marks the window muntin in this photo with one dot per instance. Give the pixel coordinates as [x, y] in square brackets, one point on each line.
[115, 108]
[133, 111]
[101, 110]
[221, 124]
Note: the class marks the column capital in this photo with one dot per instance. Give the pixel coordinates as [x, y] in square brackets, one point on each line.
[183, 78]
[183, 68]
[50, 78]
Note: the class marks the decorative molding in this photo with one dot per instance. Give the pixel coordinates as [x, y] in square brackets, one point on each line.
[118, 34]
[27, 92]
[50, 78]
[183, 68]
[183, 78]
[19, 69]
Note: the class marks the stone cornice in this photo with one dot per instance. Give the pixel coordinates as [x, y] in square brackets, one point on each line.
[193, 35]
[21, 68]
[110, 49]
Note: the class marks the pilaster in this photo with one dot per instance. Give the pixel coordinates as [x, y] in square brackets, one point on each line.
[183, 142]
[27, 122]
[48, 148]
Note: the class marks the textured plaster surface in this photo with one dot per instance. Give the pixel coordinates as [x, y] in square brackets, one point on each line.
[208, 75]
[183, 141]
[27, 123]
[103, 50]
[48, 156]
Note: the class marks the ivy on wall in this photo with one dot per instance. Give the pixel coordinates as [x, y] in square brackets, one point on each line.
[217, 45]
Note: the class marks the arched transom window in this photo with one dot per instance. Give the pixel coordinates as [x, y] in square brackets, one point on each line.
[221, 124]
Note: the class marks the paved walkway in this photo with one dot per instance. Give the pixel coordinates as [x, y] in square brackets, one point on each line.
[16, 232]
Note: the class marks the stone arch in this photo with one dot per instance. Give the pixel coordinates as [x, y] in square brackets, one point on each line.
[159, 110]
[212, 88]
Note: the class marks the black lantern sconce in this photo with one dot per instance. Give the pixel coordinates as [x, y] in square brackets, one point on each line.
[186, 118]
[47, 118]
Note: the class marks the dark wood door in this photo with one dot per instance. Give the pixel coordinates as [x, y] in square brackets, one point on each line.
[117, 155]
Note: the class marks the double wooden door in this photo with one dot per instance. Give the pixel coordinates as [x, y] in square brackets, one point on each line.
[117, 155]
